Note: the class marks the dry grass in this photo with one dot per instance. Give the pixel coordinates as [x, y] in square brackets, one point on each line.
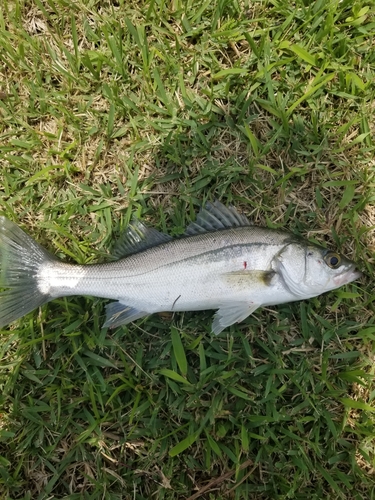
[109, 109]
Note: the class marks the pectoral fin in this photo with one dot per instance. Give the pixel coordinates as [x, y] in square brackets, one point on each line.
[232, 312]
[250, 277]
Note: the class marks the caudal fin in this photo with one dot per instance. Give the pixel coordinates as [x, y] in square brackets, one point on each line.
[20, 261]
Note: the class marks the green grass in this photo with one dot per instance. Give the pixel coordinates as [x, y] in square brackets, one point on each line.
[148, 108]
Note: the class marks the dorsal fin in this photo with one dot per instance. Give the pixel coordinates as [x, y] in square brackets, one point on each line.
[216, 216]
[138, 237]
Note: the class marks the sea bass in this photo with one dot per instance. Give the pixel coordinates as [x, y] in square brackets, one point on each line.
[222, 263]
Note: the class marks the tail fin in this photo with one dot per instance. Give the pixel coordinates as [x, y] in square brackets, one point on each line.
[20, 260]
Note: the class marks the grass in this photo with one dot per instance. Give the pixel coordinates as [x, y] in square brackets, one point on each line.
[115, 109]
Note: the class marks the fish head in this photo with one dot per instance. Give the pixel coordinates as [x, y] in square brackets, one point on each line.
[308, 270]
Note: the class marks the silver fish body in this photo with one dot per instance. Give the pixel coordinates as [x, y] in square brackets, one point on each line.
[222, 263]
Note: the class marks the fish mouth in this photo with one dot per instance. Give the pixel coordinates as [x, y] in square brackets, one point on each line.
[347, 277]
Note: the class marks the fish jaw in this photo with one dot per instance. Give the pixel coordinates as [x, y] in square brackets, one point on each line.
[348, 277]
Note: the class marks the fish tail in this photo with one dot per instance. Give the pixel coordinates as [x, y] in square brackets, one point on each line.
[21, 259]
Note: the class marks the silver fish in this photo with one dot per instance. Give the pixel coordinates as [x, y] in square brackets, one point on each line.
[222, 263]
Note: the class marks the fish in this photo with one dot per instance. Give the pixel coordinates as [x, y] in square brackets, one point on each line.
[222, 262]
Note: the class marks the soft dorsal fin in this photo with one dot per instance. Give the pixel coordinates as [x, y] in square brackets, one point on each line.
[216, 216]
[138, 237]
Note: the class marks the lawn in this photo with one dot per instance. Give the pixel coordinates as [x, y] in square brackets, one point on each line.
[117, 109]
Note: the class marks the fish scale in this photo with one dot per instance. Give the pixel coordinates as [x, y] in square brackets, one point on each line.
[222, 263]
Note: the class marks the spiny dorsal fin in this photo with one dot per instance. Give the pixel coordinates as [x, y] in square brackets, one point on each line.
[138, 237]
[215, 216]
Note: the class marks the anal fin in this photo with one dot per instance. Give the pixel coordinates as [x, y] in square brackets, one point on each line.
[120, 314]
[230, 313]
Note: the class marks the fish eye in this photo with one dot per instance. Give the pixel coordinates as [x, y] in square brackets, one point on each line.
[332, 259]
